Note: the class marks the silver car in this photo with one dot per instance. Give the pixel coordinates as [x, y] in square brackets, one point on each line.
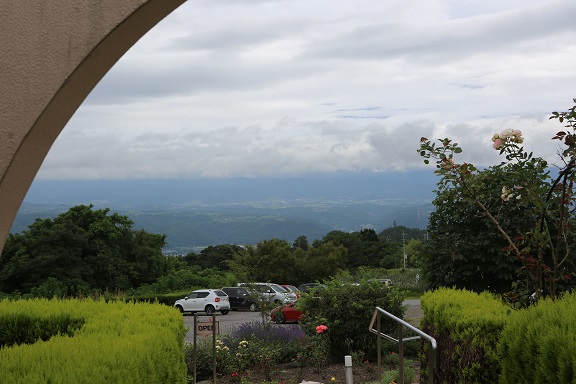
[273, 292]
[204, 300]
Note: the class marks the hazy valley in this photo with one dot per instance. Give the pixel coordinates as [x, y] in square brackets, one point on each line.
[198, 213]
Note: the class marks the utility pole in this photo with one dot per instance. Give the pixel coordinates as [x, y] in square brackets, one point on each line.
[404, 246]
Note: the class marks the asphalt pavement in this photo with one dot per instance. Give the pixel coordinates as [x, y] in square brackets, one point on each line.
[233, 319]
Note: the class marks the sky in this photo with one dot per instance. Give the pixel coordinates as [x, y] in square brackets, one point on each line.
[259, 88]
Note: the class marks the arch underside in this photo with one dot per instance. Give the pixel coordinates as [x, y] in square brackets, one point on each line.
[54, 54]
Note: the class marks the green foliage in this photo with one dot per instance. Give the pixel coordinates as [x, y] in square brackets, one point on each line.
[398, 232]
[515, 206]
[320, 262]
[270, 260]
[82, 248]
[186, 279]
[465, 249]
[346, 309]
[407, 281]
[537, 345]
[87, 341]
[253, 346]
[52, 287]
[392, 376]
[23, 328]
[467, 327]
[275, 260]
[216, 256]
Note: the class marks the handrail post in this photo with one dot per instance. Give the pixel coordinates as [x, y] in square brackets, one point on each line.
[379, 348]
[400, 354]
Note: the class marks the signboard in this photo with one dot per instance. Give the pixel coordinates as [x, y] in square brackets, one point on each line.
[204, 328]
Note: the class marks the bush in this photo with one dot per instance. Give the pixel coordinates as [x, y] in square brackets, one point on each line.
[467, 327]
[346, 310]
[87, 341]
[537, 345]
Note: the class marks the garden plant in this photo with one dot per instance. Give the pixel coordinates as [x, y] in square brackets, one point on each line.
[531, 215]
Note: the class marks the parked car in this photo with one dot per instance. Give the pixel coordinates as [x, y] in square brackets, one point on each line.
[292, 289]
[272, 292]
[285, 314]
[204, 300]
[386, 282]
[307, 287]
[240, 298]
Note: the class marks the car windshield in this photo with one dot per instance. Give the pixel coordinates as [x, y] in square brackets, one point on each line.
[278, 288]
[220, 293]
[292, 288]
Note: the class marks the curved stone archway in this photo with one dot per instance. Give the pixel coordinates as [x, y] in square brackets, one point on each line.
[53, 54]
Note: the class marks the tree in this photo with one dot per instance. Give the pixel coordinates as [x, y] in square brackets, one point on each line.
[301, 242]
[322, 262]
[532, 213]
[214, 256]
[414, 249]
[82, 247]
[465, 250]
[270, 261]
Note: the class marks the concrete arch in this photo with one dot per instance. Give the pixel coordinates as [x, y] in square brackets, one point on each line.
[53, 54]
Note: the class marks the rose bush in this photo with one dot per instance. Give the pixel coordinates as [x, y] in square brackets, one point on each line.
[533, 215]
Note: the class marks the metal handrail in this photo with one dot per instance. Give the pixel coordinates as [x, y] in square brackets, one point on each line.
[432, 353]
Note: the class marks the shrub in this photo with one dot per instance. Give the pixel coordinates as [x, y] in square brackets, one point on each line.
[346, 309]
[537, 345]
[87, 341]
[467, 327]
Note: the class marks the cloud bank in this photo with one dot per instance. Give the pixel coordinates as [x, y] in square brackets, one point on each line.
[250, 88]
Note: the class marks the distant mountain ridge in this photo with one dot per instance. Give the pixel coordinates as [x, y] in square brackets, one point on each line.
[201, 212]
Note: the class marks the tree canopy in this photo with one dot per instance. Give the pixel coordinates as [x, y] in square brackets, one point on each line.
[83, 248]
[507, 228]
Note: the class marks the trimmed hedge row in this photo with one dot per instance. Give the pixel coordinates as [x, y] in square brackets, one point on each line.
[480, 340]
[467, 328]
[538, 344]
[167, 298]
[87, 341]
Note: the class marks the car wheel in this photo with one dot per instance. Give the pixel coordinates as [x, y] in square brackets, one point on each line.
[253, 307]
[209, 310]
[279, 318]
[180, 308]
[225, 312]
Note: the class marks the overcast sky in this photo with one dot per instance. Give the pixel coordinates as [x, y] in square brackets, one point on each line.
[255, 88]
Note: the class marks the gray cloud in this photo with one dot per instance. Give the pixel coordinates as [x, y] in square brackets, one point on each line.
[249, 88]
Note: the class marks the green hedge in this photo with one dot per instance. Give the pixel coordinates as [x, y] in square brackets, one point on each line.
[87, 341]
[167, 298]
[466, 327]
[538, 345]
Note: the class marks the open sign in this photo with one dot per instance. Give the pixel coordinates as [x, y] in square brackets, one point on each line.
[206, 328]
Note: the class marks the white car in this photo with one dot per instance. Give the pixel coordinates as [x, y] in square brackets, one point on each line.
[204, 300]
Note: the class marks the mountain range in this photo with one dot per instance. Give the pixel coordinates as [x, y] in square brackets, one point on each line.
[195, 213]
